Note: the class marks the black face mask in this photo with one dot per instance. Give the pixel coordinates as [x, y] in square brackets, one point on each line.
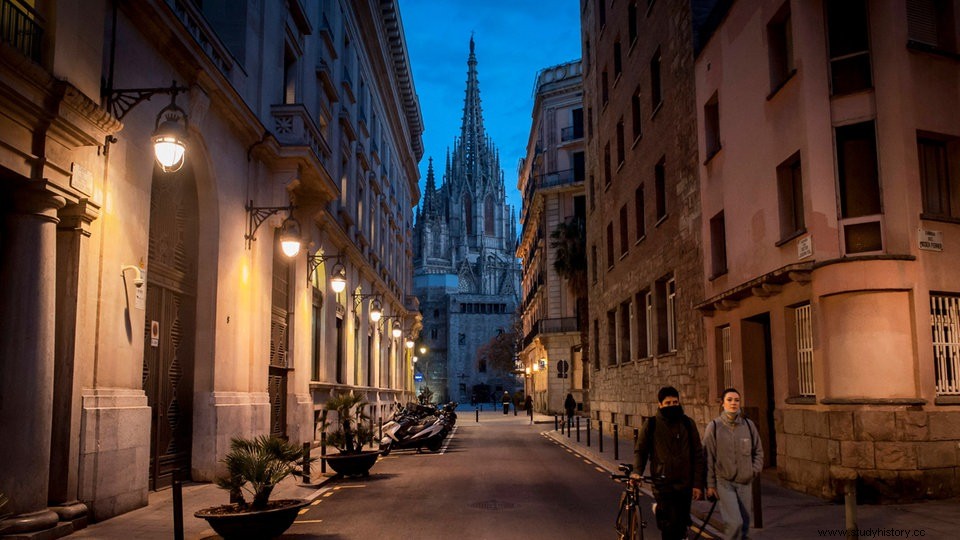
[672, 413]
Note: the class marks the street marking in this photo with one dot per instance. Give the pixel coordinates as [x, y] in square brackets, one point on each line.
[446, 443]
[352, 486]
[599, 470]
[309, 521]
[329, 493]
[303, 511]
[588, 462]
[577, 455]
[316, 502]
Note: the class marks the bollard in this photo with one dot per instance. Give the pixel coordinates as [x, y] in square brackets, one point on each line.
[514, 409]
[177, 507]
[569, 423]
[323, 452]
[616, 443]
[636, 435]
[600, 434]
[578, 429]
[555, 422]
[588, 433]
[305, 467]
[850, 507]
[478, 414]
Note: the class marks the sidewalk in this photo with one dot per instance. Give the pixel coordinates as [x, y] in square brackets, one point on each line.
[787, 514]
[155, 521]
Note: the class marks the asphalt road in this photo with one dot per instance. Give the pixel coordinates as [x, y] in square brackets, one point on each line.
[496, 479]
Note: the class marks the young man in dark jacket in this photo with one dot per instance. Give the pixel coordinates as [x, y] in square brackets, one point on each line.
[671, 443]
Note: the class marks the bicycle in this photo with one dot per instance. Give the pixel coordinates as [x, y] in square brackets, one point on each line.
[630, 523]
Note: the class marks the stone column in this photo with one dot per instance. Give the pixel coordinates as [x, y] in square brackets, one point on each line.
[27, 306]
[73, 234]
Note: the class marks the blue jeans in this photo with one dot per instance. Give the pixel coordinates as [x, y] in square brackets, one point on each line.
[735, 501]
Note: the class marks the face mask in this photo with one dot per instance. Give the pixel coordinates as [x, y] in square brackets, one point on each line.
[673, 412]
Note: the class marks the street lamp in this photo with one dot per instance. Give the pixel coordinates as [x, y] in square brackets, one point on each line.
[289, 230]
[376, 306]
[409, 343]
[338, 279]
[170, 129]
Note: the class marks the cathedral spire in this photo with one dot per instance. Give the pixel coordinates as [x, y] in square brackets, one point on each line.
[430, 191]
[471, 129]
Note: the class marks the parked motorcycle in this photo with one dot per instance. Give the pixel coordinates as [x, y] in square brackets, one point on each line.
[418, 426]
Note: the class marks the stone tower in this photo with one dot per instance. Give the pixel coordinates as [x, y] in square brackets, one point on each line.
[465, 272]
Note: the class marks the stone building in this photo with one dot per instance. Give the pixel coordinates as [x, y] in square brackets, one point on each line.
[643, 210]
[148, 309]
[831, 292]
[466, 276]
[551, 179]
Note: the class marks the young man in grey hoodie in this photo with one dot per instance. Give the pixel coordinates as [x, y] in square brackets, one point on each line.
[734, 458]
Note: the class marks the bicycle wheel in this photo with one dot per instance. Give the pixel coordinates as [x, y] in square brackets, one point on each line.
[634, 524]
[623, 518]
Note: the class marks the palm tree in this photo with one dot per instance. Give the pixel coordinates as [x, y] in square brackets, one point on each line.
[569, 240]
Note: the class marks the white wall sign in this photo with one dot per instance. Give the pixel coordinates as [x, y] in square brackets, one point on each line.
[81, 179]
[930, 240]
[805, 247]
[154, 333]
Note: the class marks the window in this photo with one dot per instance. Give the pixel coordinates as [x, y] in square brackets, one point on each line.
[617, 60]
[939, 177]
[660, 181]
[859, 188]
[780, 48]
[612, 337]
[638, 213]
[621, 151]
[623, 332]
[849, 46]
[610, 245]
[945, 322]
[632, 23]
[666, 296]
[596, 339]
[341, 352]
[930, 24]
[434, 333]
[289, 76]
[577, 120]
[711, 126]
[489, 216]
[579, 167]
[593, 261]
[656, 88]
[607, 176]
[624, 242]
[790, 194]
[724, 358]
[635, 109]
[803, 324]
[604, 89]
[644, 305]
[718, 245]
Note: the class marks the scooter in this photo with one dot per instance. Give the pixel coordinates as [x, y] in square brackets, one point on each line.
[411, 433]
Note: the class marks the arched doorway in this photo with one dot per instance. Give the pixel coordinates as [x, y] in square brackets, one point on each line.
[170, 326]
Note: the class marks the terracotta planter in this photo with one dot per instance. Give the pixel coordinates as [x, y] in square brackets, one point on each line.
[358, 464]
[268, 523]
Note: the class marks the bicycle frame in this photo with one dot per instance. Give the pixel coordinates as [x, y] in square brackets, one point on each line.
[629, 523]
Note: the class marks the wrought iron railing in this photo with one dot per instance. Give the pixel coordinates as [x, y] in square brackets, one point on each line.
[21, 28]
[571, 133]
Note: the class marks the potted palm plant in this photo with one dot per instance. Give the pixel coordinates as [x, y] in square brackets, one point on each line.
[254, 468]
[349, 435]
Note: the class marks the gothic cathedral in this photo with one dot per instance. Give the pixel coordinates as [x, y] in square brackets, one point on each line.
[466, 274]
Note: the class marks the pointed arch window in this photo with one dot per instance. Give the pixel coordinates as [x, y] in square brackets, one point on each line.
[488, 216]
[468, 212]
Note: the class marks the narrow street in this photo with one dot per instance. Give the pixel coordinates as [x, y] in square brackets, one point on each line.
[495, 479]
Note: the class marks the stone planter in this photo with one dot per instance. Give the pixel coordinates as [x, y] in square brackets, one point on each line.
[231, 523]
[358, 464]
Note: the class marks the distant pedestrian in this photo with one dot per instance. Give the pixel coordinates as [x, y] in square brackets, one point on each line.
[528, 405]
[506, 402]
[570, 405]
[671, 442]
[734, 459]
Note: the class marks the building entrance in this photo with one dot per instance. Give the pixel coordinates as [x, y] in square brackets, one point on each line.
[171, 306]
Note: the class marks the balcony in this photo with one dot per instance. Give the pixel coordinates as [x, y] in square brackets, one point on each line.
[195, 23]
[21, 28]
[571, 134]
[550, 326]
[294, 127]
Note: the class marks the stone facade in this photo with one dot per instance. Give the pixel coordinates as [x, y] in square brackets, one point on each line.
[465, 273]
[826, 301]
[643, 210]
[551, 178]
[149, 316]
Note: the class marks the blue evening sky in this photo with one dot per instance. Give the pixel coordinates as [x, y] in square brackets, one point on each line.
[514, 40]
